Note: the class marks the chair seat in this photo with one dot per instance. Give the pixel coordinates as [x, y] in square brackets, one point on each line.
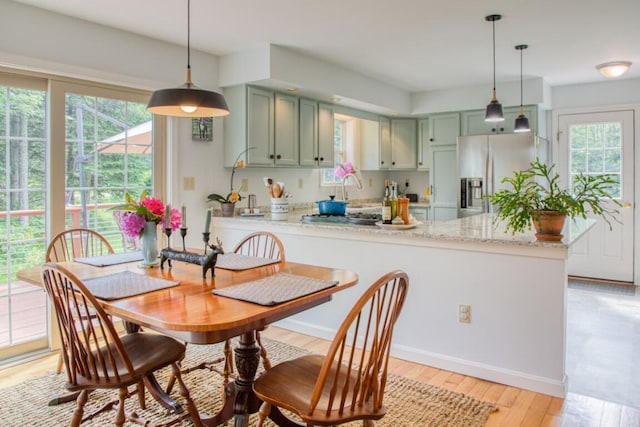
[137, 346]
[293, 382]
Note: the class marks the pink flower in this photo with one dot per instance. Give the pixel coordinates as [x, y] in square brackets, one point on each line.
[132, 224]
[154, 205]
[348, 167]
[176, 219]
[340, 172]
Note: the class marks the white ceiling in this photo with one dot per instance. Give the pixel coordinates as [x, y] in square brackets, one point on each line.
[415, 45]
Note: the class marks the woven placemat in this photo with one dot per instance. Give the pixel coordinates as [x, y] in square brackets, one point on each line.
[276, 289]
[111, 259]
[233, 261]
[125, 284]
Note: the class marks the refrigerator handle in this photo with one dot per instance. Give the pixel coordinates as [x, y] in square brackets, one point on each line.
[488, 177]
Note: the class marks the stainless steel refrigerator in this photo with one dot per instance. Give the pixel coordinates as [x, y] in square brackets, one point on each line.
[484, 160]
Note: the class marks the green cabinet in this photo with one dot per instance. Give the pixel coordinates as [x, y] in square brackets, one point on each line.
[308, 132]
[444, 186]
[284, 151]
[384, 147]
[403, 143]
[473, 121]
[324, 155]
[260, 127]
[434, 131]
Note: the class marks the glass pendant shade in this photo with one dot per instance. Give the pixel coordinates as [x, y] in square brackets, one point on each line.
[187, 100]
[494, 108]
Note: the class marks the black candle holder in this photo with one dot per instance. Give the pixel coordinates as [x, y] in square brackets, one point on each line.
[167, 231]
[205, 239]
[183, 233]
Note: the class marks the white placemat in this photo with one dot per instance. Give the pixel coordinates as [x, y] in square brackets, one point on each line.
[125, 284]
[111, 259]
[233, 261]
[272, 290]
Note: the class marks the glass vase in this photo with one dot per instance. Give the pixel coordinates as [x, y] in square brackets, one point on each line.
[150, 244]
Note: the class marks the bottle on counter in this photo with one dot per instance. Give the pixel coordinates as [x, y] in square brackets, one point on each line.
[386, 204]
[394, 200]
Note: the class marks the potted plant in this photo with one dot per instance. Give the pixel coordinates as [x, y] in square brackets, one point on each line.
[228, 202]
[536, 198]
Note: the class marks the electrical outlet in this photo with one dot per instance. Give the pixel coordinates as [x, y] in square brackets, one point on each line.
[188, 183]
[244, 185]
[300, 183]
[370, 182]
[464, 313]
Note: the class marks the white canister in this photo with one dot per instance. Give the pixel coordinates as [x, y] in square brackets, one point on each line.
[279, 209]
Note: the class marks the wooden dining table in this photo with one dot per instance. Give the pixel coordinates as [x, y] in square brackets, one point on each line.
[191, 313]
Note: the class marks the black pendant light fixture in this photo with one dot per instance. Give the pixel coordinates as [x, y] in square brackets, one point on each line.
[187, 100]
[494, 109]
[522, 123]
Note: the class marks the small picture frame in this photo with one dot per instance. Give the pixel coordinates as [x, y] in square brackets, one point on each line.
[202, 129]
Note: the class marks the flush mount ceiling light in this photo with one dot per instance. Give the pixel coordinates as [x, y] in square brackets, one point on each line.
[494, 109]
[522, 122]
[187, 100]
[613, 69]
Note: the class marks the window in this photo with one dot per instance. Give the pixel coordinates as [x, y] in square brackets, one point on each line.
[340, 141]
[595, 149]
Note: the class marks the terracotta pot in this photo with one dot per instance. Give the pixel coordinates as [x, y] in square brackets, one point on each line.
[548, 225]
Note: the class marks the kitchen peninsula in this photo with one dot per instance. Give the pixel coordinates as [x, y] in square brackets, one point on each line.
[514, 287]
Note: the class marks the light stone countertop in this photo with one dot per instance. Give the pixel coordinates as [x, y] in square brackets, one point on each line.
[475, 229]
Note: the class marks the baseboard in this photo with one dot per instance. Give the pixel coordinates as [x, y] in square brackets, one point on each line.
[466, 367]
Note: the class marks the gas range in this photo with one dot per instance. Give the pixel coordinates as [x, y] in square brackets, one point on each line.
[360, 218]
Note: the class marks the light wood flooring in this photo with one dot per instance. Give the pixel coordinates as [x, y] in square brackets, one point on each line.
[517, 407]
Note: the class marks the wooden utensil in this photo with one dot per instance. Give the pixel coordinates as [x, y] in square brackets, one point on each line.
[277, 191]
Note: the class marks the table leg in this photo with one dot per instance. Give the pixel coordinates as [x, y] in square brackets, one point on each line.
[239, 400]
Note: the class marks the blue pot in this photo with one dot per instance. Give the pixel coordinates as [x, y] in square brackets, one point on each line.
[332, 207]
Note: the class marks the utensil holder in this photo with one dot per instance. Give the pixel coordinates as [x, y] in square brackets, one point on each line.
[279, 209]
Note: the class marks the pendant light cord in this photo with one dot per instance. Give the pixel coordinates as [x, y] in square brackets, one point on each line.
[493, 23]
[521, 90]
[189, 34]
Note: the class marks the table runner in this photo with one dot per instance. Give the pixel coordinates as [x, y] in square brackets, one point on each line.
[125, 284]
[275, 289]
[234, 261]
[111, 259]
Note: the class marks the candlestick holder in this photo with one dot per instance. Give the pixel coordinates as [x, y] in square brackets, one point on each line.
[183, 233]
[167, 231]
[205, 239]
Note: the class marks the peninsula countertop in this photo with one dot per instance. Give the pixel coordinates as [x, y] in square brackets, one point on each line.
[474, 229]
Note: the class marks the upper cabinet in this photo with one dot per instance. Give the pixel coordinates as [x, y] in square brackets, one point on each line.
[323, 151]
[473, 121]
[403, 143]
[384, 147]
[395, 147]
[286, 141]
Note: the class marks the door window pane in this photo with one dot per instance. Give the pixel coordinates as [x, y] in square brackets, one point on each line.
[595, 149]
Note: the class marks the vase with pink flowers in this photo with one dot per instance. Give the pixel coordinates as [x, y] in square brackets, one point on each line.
[141, 219]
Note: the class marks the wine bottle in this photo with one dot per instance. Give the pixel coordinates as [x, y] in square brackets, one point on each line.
[386, 204]
[394, 200]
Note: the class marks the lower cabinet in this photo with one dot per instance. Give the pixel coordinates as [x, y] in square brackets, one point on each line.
[420, 213]
[443, 177]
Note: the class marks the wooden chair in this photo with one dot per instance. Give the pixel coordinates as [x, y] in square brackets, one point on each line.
[76, 243]
[348, 383]
[97, 358]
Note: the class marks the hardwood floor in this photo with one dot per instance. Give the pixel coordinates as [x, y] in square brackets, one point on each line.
[517, 407]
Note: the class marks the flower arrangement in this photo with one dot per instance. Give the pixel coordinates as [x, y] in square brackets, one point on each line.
[138, 213]
[344, 169]
[233, 196]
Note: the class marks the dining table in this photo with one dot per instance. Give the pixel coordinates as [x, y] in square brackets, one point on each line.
[190, 309]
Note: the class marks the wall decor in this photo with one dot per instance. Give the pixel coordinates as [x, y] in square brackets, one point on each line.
[202, 129]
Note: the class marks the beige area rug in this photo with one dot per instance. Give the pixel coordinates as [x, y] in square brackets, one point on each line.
[409, 402]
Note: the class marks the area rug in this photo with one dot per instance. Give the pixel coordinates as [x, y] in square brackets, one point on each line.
[409, 402]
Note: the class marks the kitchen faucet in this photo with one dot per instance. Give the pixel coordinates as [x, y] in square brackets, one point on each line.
[344, 181]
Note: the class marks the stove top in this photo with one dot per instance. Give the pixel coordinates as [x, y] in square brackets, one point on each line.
[361, 218]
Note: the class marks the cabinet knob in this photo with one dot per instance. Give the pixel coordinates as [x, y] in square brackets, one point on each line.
[420, 163]
[315, 158]
[493, 129]
[271, 156]
[382, 162]
[431, 139]
[501, 129]
[278, 157]
[322, 159]
[393, 163]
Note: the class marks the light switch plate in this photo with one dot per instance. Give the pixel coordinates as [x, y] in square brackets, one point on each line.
[188, 183]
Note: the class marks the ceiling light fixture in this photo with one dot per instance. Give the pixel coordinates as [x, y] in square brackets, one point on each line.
[613, 69]
[494, 109]
[522, 122]
[187, 100]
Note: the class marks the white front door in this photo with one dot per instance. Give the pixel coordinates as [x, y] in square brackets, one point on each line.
[602, 143]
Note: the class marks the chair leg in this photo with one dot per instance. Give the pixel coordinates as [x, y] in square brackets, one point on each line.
[60, 363]
[228, 362]
[184, 392]
[263, 413]
[77, 414]
[120, 417]
[141, 398]
[263, 353]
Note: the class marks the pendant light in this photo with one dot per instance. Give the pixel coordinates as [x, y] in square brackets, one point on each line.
[522, 122]
[187, 100]
[494, 109]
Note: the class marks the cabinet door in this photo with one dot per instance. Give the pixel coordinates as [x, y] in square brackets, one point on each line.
[286, 130]
[308, 132]
[444, 176]
[424, 159]
[444, 129]
[403, 143]
[325, 135]
[384, 150]
[260, 133]
[473, 121]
